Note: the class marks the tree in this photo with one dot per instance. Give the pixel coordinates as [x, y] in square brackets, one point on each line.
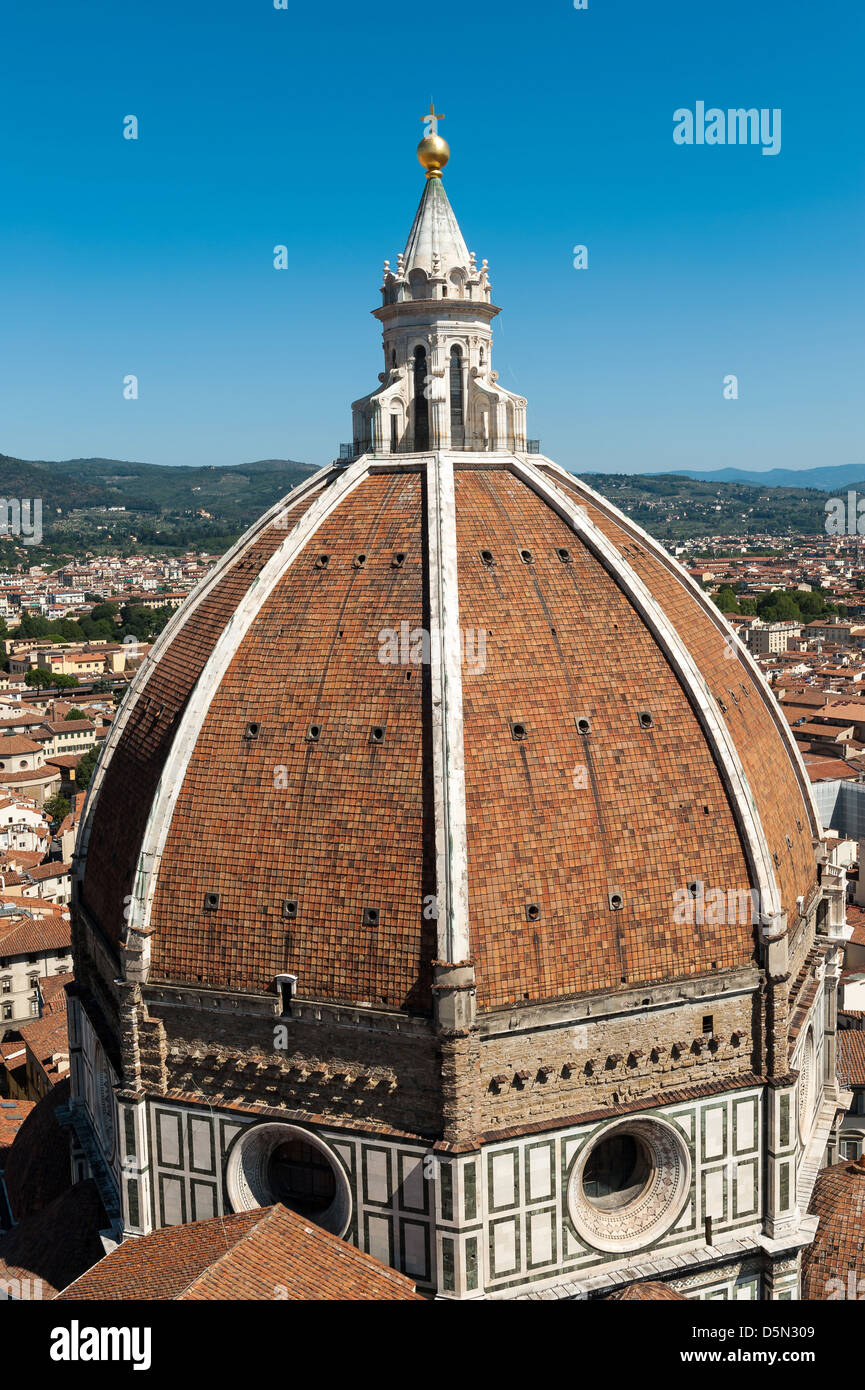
[103, 611]
[38, 677]
[56, 808]
[75, 713]
[84, 770]
[726, 599]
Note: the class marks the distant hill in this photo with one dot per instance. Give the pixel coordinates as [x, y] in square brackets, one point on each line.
[679, 507]
[160, 506]
[834, 477]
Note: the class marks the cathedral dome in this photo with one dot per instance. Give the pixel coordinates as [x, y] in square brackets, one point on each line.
[445, 707]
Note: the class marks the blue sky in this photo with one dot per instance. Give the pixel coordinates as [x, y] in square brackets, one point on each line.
[260, 126]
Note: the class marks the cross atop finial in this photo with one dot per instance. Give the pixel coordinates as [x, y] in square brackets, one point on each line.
[432, 119]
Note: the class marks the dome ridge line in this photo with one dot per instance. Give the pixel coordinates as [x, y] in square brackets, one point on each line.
[447, 715]
[179, 620]
[206, 688]
[736, 781]
[724, 629]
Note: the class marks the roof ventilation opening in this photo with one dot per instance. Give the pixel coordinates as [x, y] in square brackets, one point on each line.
[286, 988]
[313, 733]
[487, 557]
[646, 720]
[398, 560]
[253, 729]
[322, 562]
[533, 912]
[211, 902]
[359, 561]
[518, 730]
[616, 900]
[527, 557]
[584, 725]
[564, 555]
[371, 916]
[376, 733]
[289, 909]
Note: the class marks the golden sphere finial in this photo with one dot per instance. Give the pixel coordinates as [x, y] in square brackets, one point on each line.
[433, 152]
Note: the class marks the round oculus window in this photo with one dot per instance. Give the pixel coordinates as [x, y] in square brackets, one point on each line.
[629, 1184]
[273, 1163]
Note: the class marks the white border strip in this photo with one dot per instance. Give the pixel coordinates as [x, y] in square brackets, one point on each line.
[452, 886]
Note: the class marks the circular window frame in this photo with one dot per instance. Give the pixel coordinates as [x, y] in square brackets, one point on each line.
[642, 1221]
[246, 1181]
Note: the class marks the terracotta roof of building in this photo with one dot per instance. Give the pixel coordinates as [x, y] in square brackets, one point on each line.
[57, 1243]
[266, 1254]
[47, 1038]
[13, 1113]
[351, 825]
[53, 991]
[38, 1165]
[29, 936]
[54, 869]
[646, 1291]
[29, 776]
[830, 769]
[851, 1057]
[13, 744]
[838, 1251]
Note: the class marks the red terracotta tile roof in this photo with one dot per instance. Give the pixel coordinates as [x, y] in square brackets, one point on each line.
[261, 1255]
[838, 1251]
[46, 1038]
[53, 991]
[28, 776]
[13, 1113]
[13, 744]
[851, 1057]
[30, 936]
